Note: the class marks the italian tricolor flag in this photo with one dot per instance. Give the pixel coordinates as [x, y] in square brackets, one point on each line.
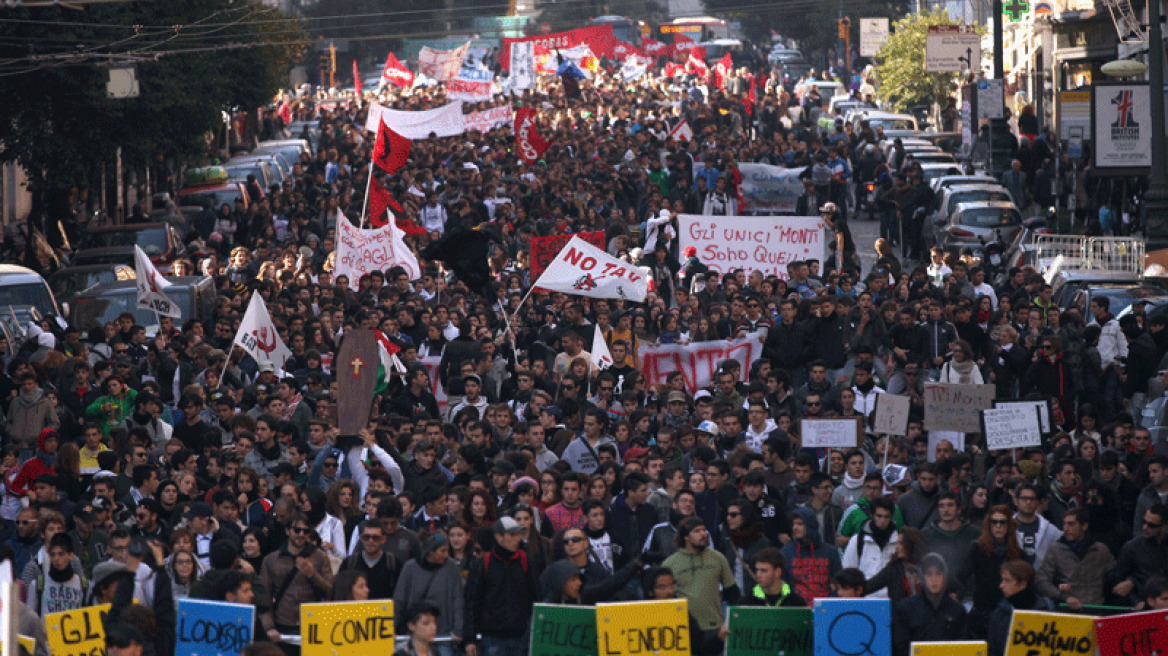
[389, 363]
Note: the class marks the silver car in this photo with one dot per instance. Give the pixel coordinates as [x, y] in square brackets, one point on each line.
[946, 200]
[972, 223]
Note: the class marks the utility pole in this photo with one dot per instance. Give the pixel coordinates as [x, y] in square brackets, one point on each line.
[1156, 198]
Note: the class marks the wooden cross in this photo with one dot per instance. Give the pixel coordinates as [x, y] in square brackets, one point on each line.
[356, 363]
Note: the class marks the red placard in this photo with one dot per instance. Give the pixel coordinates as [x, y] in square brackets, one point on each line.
[1131, 634]
[545, 249]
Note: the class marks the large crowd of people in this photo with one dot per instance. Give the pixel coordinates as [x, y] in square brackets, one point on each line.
[153, 467]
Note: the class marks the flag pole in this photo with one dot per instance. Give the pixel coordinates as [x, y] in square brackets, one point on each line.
[226, 361]
[368, 186]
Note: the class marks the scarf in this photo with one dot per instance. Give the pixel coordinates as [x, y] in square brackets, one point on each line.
[1024, 599]
[881, 536]
[291, 406]
[867, 387]
[60, 575]
[852, 483]
[1079, 547]
[743, 537]
[963, 369]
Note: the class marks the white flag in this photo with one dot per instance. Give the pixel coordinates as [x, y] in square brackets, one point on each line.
[361, 251]
[150, 286]
[633, 69]
[601, 356]
[257, 335]
[441, 65]
[681, 132]
[584, 269]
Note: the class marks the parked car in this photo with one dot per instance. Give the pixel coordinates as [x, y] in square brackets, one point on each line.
[1067, 282]
[945, 201]
[894, 125]
[69, 282]
[114, 244]
[987, 220]
[962, 179]
[23, 286]
[239, 168]
[1121, 296]
[102, 303]
[212, 197]
[933, 171]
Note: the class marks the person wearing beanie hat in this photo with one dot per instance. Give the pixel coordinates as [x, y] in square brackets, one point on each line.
[700, 571]
[931, 614]
[435, 579]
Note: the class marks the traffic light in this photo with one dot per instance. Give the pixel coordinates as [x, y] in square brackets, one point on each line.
[845, 28]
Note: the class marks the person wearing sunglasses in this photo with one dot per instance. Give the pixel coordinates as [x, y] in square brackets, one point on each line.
[962, 368]
[981, 570]
[297, 574]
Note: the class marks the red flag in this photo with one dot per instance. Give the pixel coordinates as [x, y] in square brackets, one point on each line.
[356, 78]
[751, 97]
[379, 200]
[722, 70]
[396, 73]
[404, 224]
[391, 150]
[696, 66]
[654, 48]
[285, 112]
[622, 50]
[527, 140]
[681, 44]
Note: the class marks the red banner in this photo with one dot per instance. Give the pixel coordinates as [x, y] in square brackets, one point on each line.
[396, 73]
[545, 249]
[527, 140]
[598, 37]
[622, 50]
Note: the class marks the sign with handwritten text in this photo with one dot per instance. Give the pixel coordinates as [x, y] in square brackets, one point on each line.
[562, 630]
[1133, 633]
[1034, 633]
[891, 414]
[752, 243]
[1009, 427]
[768, 631]
[831, 433]
[77, 632]
[697, 361]
[545, 249]
[348, 628]
[641, 628]
[851, 627]
[212, 628]
[951, 406]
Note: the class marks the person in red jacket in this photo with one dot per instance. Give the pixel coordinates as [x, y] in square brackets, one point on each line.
[41, 463]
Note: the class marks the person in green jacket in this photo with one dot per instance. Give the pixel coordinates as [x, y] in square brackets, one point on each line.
[111, 410]
[894, 477]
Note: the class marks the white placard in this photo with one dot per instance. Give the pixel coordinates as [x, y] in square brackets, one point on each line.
[951, 406]
[873, 35]
[952, 49]
[1043, 410]
[753, 243]
[891, 414]
[990, 99]
[830, 433]
[1006, 428]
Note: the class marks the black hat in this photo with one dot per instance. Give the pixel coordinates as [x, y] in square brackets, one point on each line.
[198, 509]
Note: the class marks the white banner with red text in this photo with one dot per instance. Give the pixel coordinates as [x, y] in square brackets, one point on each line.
[489, 119]
[697, 361]
[472, 84]
[753, 243]
[362, 251]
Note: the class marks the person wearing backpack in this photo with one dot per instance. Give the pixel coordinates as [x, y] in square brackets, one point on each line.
[500, 592]
[60, 588]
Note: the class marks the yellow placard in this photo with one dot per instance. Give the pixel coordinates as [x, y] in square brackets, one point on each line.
[77, 632]
[28, 643]
[949, 649]
[1051, 634]
[347, 628]
[659, 628]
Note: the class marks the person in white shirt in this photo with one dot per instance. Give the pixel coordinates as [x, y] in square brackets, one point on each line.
[759, 427]
[980, 287]
[433, 215]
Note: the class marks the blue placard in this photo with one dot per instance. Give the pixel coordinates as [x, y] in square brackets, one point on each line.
[212, 628]
[853, 627]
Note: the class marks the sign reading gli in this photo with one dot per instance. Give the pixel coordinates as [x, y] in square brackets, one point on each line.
[952, 49]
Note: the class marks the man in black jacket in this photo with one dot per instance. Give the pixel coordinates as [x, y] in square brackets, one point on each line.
[930, 615]
[500, 592]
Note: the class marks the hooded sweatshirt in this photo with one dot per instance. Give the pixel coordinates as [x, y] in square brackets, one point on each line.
[28, 414]
[41, 463]
[810, 562]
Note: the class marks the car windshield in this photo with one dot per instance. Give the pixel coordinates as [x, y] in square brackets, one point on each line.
[152, 240]
[97, 311]
[73, 283]
[241, 171]
[35, 294]
[977, 197]
[990, 217]
[892, 123]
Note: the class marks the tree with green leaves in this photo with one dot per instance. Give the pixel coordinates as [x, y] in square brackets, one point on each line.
[900, 64]
[194, 59]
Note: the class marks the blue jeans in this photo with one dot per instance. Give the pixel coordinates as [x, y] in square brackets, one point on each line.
[493, 646]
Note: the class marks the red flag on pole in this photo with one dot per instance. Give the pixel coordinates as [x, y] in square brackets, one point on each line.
[696, 66]
[527, 139]
[722, 70]
[391, 150]
[356, 78]
[379, 200]
[396, 73]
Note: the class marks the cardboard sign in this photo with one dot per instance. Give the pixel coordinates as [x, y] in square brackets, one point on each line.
[1009, 427]
[853, 627]
[563, 630]
[950, 406]
[1043, 406]
[1134, 633]
[769, 631]
[753, 243]
[891, 414]
[77, 632]
[640, 628]
[831, 433]
[545, 249]
[949, 649]
[212, 628]
[347, 628]
[1051, 634]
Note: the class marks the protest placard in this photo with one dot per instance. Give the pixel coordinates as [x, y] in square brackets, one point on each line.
[637, 628]
[545, 249]
[697, 361]
[831, 433]
[1043, 406]
[891, 414]
[954, 438]
[77, 632]
[361, 251]
[768, 188]
[489, 119]
[1034, 633]
[768, 631]
[472, 84]
[212, 628]
[1134, 633]
[849, 627]
[444, 121]
[563, 630]
[587, 270]
[1007, 427]
[948, 649]
[752, 243]
[951, 406]
[346, 628]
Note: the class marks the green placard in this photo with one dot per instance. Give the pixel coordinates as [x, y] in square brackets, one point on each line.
[563, 630]
[769, 631]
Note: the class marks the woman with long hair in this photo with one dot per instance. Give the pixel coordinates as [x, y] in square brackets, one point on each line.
[314, 504]
[184, 569]
[350, 585]
[479, 515]
[980, 571]
[67, 464]
[462, 547]
[342, 503]
[743, 539]
[549, 490]
[538, 548]
[167, 495]
[976, 505]
[253, 547]
[253, 506]
[902, 576]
